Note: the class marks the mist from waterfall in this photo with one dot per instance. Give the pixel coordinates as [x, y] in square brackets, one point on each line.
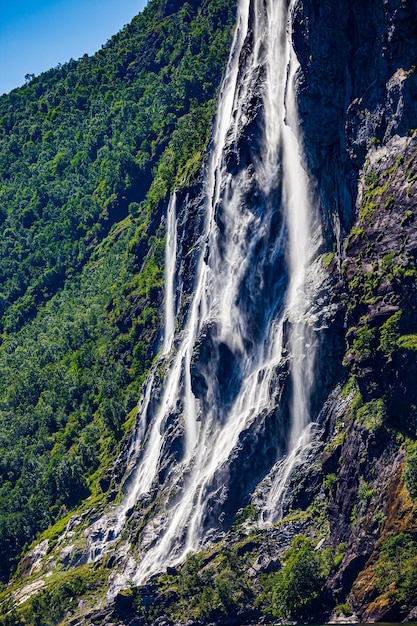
[249, 313]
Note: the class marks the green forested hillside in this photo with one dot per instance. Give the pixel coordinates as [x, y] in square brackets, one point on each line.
[87, 151]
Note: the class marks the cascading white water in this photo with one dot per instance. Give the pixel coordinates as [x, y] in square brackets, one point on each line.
[302, 243]
[170, 262]
[251, 284]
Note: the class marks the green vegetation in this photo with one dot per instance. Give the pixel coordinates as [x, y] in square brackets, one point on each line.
[410, 474]
[381, 277]
[362, 346]
[389, 334]
[327, 258]
[330, 483]
[296, 591]
[343, 610]
[49, 606]
[247, 518]
[88, 155]
[59, 597]
[205, 590]
[205, 586]
[407, 342]
[339, 554]
[372, 414]
[365, 491]
[376, 189]
[396, 570]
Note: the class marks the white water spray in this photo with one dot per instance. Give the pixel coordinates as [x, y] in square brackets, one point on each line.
[170, 264]
[251, 307]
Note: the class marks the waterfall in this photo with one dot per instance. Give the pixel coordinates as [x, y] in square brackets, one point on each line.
[248, 335]
[303, 242]
[170, 263]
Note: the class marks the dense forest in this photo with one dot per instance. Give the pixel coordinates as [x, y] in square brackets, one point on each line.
[87, 151]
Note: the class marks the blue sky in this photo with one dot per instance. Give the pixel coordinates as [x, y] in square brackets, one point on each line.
[36, 35]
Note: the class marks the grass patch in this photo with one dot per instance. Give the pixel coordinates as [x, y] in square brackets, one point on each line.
[326, 259]
[407, 342]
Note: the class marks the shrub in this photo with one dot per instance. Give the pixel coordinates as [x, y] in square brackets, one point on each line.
[298, 587]
[396, 569]
[390, 334]
[410, 475]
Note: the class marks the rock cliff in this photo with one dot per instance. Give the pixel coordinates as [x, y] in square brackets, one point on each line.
[358, 112]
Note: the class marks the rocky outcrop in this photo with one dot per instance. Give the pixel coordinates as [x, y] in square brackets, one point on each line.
[371, 506]
[357, 85]
[357, 95]
[380, 269]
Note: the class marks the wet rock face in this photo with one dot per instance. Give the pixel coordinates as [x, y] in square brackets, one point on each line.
[214, 370]
[357, 93]
[380, 269]
[357, 82]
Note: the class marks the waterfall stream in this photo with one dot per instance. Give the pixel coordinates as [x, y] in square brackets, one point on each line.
[170, 264]
[248, 334]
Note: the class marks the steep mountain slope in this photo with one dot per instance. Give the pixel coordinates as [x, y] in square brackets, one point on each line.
[341, 536]
[88, 150]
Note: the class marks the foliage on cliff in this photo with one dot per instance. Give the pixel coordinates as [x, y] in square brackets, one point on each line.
[88, 153]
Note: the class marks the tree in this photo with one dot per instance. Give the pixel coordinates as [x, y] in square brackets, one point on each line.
[298, 586]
